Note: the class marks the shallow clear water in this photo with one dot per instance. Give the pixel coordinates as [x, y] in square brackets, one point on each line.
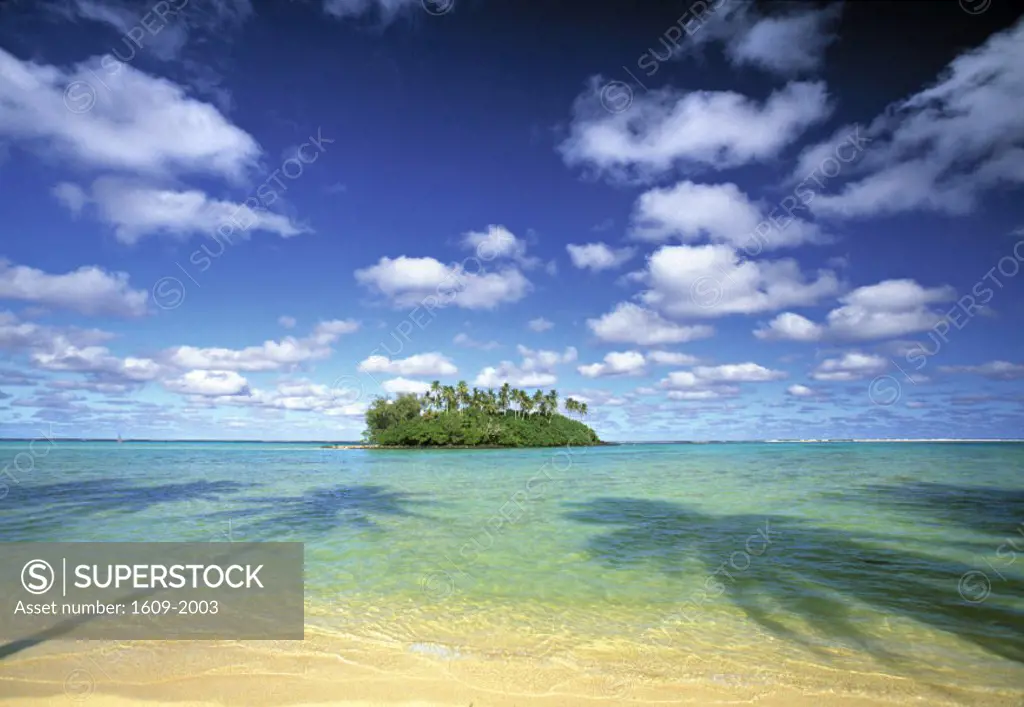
[902, 559]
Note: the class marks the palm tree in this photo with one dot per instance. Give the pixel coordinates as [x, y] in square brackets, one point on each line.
[552, 401]
[527, 402]
[434, 396]
[482, 400]
[448, 398]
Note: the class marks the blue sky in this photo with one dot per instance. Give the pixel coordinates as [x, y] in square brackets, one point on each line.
[709, 221]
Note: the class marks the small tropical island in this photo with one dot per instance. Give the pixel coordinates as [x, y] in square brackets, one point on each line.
[459, 417]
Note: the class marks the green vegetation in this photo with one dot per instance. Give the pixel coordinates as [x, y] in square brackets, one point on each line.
[455, 416]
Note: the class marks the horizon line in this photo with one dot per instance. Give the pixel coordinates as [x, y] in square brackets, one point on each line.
[619, 442]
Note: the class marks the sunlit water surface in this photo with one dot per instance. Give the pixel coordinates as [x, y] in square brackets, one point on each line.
[732, 562]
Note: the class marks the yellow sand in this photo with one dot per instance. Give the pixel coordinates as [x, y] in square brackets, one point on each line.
[334, 670]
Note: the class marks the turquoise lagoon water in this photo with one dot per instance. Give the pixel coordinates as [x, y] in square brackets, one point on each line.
[904, 560]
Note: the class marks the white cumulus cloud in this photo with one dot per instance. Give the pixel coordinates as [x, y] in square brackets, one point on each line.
[632, 324]
[136, 209]
[720, 213]
[851, 366]
[536, 370]
[943, 147]
[671, 358]
[209, 383]
[616, 363]
[269, 356]
[666, 128]
[888, 309]
[786, 43]
[598, 256]
[713, 281]
[135, 122]
[425, 364]
[410, 282]
[88, 290]
[710, 382]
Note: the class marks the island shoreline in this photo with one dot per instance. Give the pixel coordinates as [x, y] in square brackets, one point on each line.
[464, 447]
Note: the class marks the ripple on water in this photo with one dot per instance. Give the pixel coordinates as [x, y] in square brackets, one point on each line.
[636, 565]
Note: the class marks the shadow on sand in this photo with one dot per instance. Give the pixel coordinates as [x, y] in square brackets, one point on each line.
[983, 509]
[42, 510]
[809, 574]
[35, 511]
[317, 512]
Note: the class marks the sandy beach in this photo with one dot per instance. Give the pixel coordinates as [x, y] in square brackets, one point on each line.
[330, 670]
